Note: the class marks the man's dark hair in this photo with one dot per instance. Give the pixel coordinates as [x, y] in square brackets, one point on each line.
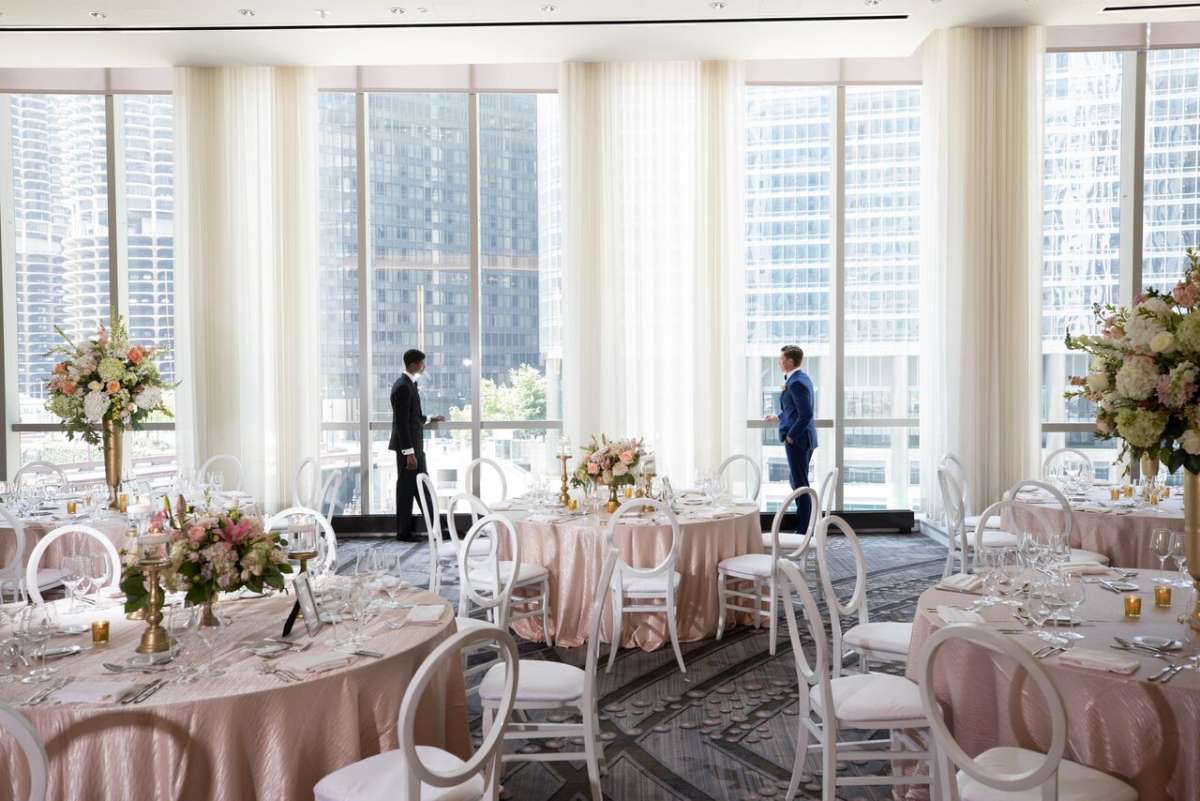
[412, 356]
[793, 353]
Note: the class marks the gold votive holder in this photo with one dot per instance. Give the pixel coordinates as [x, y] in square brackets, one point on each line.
[628, 491]
[1154, 499]
[99, 632]
[1166, 491]
[1114, 493]
[1133, 606]
[572, 504]
[71, 507]
[1162, 595]
[122, 503]
[1127, 490]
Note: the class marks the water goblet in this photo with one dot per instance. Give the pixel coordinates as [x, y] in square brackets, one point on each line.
[1160, 546]
[74, 573]
[39, 626]
[1178, 554]
[1071, 590]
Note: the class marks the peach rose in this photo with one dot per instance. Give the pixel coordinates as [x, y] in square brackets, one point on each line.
[68, 388]
[113, 387]
[61, 367]
[627, 456]
[593, 468]
[136, 354]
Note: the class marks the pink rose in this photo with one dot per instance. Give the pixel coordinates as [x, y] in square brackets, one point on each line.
[68, 387]
[197, 534]
[1186, 295]
[136, 354]
[1078, 381]
[627, 457]
[593, 468]
[61, 367]
[1103, 425]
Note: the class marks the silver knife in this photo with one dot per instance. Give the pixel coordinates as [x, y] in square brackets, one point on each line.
[1174, 671]
[149, 688]
[161, 683]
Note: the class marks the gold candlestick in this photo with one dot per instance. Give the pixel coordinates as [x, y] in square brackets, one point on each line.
[155, 639]
[564, 496]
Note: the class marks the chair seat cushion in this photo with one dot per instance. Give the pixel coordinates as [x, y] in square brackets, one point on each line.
[1083, 555]
[992, 538]
[472, 623]
[649, 585]
[871, 697]
[538, 681]
[751, 565]
[880, 638]
[1075, 782]
[787, 542]
[378, 778]
[971, 521]
[483, 576]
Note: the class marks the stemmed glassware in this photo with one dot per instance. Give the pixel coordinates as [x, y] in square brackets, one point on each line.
[1036, 609]
[1178, 552]
[1071, 594]
[989, 570]
[75, 570]
[186, 642]
[38, 626]
[1160, 546]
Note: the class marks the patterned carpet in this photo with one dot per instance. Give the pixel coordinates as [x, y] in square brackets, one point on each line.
[728, 730]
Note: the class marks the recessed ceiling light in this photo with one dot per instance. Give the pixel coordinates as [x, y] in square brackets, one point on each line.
[549, 8]
[322, 13]
[717, 5]
[97, 15]
[396, 10]
[872, 3]
[246, 12]
[422, 10]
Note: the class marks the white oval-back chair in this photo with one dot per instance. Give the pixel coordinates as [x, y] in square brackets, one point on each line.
[971, 518]
[483, 585]
[41, 470]
[820, 505]
[478, 465]
[763, 570]
[230, 469]
[35, 557]
[645, 584]
[326, 561]
[18, 727]
[1005, 772]
[308, 489]
[422, 772]
[754, 480]
[1067, 458]
[1027, 485]
[12, 575]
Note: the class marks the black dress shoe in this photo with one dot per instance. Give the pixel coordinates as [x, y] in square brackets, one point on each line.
[408, 538]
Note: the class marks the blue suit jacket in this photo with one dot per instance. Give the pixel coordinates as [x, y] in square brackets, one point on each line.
[796, 412]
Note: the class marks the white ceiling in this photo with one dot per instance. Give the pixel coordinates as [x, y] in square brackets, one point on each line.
[445, 45]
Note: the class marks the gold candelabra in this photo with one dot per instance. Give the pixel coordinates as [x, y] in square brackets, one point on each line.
[564, 496]
[155, 639]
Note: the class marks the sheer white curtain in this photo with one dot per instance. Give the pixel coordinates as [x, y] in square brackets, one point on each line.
[246, 271]
[981, 258]
[652, 300]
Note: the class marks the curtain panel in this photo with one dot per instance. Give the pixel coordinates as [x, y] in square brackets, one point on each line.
[246, 274]
[981, 257]
[652, 284]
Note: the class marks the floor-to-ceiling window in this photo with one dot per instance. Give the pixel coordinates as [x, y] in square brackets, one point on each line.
[72, 162]
[853, 305]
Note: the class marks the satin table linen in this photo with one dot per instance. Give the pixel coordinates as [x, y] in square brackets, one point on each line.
[1142, 732]
[113, 526]
[243, 735]
[570, 547]
[1120, 530]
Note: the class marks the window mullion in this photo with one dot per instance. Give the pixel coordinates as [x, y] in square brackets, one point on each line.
[363, 168]
[1133, 168]
[10, 454]
[118, 274]
[838, 300]
[476, 304]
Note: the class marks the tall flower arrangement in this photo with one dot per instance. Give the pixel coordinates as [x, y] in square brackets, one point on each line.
[1145, 373]
[609, 462]
[210, 553]
[104, 379]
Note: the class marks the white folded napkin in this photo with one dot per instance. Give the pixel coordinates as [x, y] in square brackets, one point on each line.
[961, 581]
[425, 614]
[1084, 568]
[317, 662]
[93, 691]
[952, 614]
[1093, 659]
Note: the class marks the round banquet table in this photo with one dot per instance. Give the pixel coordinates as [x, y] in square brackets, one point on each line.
[113, 526]
[1142, 732]
[571, 548]
[1120, 530]
[243, 735]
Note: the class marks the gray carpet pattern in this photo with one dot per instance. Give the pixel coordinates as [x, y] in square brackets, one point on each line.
[727, 730]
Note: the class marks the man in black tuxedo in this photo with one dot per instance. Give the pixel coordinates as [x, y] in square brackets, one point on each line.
[408, 423]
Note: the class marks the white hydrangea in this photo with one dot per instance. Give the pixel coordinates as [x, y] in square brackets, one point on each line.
[112, 369]
[1187, 335]
[1138, 378]
[1190, 441]
[1163, 342]
[1141, 428]
[1141, 328]
[148, 398]
[1097, 382]
[95, 404]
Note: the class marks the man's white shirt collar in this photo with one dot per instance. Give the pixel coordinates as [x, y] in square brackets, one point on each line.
[790, 373]
[411, 377]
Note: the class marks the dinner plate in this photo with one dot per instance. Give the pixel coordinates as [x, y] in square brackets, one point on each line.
[1160, 643]
[59, 651]
[268, 648]
[71, 629]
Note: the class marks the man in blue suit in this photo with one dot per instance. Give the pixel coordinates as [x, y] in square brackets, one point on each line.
[797, 429]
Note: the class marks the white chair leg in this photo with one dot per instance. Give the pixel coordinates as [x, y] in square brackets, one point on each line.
[617, 602]
[758, 602]
[949, 561]
[673, 630]
[720, 605]
[773, 622]
[592, 747]
[546, 611]
[799, 762]
[829, 763]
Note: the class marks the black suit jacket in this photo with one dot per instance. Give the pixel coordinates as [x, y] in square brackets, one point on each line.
[407, 418]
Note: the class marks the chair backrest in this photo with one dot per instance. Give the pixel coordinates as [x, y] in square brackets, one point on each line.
[476, 465]
[329, 493]
[1045, 775]
[777, 523]
[1068, 455]
[14, 571]
[306, 496]
[1014, 494]
[791, 580]
[951, 464]
[955, 507]
[231, 469]
[39, 470]
[475, 507]
[828, 486]
[35, 558]
[858, 600]
[30, 742]
[755, 471]
[599, 599]
[487, 563]
[428, 501]
[326, 537]
[486, 759]
[668, 563]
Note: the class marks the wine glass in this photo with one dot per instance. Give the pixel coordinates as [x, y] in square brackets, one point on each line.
[1160, 546]
[1036, 609]
[1071, 590]
[75, 571]
[989, 570]
[97, 573]
[1008, 564]
[40, 623]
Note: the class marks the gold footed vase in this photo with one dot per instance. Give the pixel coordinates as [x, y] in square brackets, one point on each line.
[112, 441]
[613, 504]
[1191, 530]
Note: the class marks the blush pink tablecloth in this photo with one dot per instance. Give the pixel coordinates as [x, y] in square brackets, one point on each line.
[1144, 733]
[571, 549]
[112, 526]
[1121, 534]
[242, 736]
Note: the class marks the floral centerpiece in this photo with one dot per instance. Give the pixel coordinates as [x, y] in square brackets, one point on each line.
[611, 463]
[103, 386]
[209, 553]
[1144, 378]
